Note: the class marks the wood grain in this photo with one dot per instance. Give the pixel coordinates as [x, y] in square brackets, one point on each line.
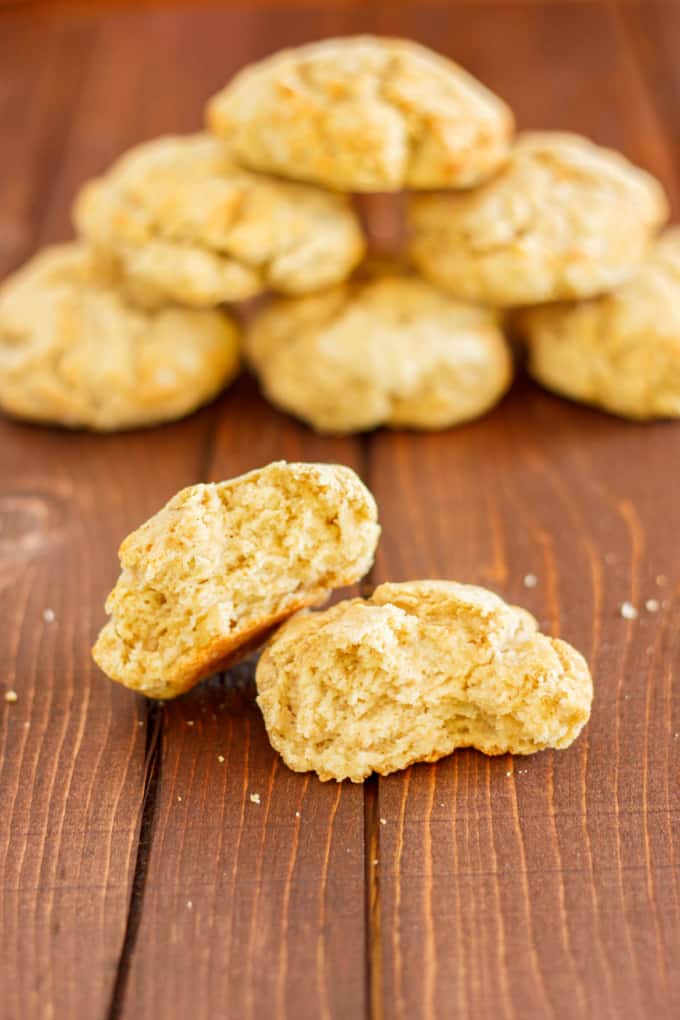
[546, 886]
[653, 29]
[270, 893]
[273, 902]
[73, 746]
[140, 879]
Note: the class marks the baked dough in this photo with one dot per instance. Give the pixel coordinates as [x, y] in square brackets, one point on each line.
[208, 577]
[564, 219]
[74, 351]
[388, 350]
[620, 351]
[185, 223]
[413, 673]
[364, 114]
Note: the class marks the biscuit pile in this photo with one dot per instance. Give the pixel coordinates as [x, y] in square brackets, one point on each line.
[369, 685]
[129, 325]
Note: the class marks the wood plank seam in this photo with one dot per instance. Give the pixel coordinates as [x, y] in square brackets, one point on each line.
[372, 894]
[152, 780]
[372, 909]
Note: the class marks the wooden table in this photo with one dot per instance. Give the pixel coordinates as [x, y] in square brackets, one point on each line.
[139, 879]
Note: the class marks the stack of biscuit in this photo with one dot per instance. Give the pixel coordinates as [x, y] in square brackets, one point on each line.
[131, 324]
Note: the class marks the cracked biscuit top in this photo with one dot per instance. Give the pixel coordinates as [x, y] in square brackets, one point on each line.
[412, 673]
[74, 351]
[620, 351]
[565, 218]
[364, 114]
[388, 349]
[185, 223]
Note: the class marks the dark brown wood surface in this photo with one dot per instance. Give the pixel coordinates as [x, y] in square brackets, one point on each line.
[139, 878]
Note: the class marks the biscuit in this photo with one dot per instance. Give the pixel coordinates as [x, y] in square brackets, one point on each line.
[207, 578]
[186, 224]
[411, 674]
[564, 219]
[364, 114]
[389, 350]
[75, 352]
[620, 351]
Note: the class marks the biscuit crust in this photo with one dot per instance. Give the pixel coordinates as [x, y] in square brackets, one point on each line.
[207, 578]
[75, 351]
[185, 223]
[388, 350]
[564, 219]
[364, 114]
[412, 673]
[621, 351]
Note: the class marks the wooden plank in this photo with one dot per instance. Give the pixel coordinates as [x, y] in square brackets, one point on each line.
[73, 747]
[250, 909]
[574, 908]
[32, 145]
[545, 886]
[653, 29]
[105, 7]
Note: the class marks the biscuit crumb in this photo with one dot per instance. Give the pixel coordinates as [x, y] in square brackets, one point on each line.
[220, 758]
[189, 905]
[628, 611]
[190, 722]
[508, 773]
[49, 615]
[375, 860]
[383, 821]
[652, 605]
[11, 696]
[530, 581]
[255, 798]
[179, 797]
[661, 580]
[297, 814]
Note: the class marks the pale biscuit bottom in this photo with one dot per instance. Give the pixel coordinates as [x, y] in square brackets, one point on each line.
[207, 578]
[411, 674]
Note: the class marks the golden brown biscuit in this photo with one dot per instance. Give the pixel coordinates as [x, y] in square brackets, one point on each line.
[364, 114]
[413, 673]
[208, 577]
[620, 351]
[387, 350]
[74, 351]
[186, 224]
[565, 218]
